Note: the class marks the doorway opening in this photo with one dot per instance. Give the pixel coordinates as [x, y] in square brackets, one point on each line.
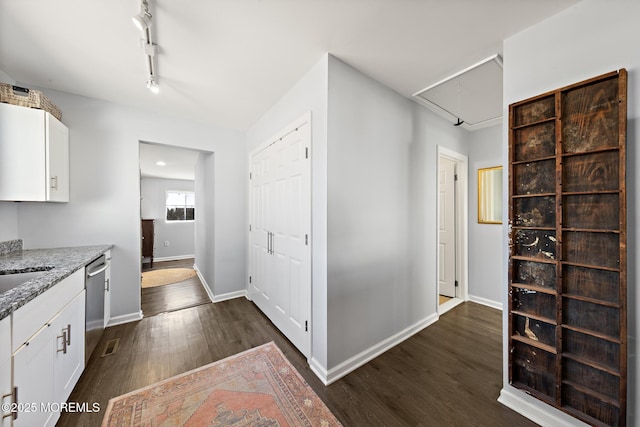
[169, 280]
[452, 233]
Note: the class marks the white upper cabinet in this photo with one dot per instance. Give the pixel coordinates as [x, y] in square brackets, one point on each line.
[34, 155]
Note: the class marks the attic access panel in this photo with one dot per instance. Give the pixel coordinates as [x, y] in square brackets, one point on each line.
[473, 95]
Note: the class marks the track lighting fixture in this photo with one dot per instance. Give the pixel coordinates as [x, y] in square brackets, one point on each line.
[143, 22]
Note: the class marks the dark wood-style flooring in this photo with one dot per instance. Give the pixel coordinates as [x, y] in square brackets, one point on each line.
[447, 375]
[176, 296]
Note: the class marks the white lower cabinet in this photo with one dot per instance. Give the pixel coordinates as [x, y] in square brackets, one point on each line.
[33, 380]
[68, 349]
[49, 363]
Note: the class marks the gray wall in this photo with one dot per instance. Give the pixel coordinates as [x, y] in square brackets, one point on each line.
[374, 216]
[586, 40]
[180, 235]
[105, 192]
[485, 240]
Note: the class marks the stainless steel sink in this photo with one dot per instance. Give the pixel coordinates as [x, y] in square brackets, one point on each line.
[10, 281]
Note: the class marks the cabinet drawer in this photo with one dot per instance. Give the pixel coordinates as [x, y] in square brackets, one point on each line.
[30, 317]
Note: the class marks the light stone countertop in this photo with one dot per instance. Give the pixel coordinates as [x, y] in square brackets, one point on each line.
[59, 263]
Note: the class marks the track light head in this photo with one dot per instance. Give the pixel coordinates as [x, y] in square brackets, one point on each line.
[142, 20]
[152, 85]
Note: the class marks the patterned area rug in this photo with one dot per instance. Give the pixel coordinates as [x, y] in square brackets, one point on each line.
[255, 388]
[166, 276]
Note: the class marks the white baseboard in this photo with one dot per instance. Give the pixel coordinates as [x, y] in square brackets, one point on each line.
[173, 258]
[536, 410]
[218, 298]
[353, 363]
[230, 295]
[125, 318]
[485, 301]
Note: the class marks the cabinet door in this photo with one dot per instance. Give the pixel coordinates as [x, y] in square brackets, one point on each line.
[32, 368]
[22, 153]
[5, 370]
[57, 146]
[68, 347]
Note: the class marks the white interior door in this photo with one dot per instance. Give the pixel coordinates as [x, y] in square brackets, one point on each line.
[447, 227]
[280, 265]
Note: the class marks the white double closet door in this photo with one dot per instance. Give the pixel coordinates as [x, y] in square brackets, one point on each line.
[279, 237]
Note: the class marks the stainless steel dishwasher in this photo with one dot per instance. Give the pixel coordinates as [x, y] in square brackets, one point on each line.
[95, 286]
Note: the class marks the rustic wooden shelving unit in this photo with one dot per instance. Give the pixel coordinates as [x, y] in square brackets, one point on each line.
[567, 257]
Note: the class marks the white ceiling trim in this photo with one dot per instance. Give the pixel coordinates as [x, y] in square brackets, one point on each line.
[484, 112]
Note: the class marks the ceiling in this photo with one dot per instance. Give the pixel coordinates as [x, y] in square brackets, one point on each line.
[226, 62]
[177, 163]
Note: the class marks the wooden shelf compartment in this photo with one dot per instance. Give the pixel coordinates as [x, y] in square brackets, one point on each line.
[534, 332]
[586, 212]
[599, 267]
[590, 332]
[535, 244]
[591, 249]
[534, 111]
[534, 210]
[534, 141]
[591, 350]
[590, 117]
[597, 407]
[591, 363]
[597, 284]
[533, 178]
[533, 272]
[533, 368]
[593, 172]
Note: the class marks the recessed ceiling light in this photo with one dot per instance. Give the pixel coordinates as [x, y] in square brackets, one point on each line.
[161, 163]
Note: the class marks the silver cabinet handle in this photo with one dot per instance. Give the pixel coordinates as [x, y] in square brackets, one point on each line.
[64, 342]
[69, 334]
[54, 182]
[14, 403]
[106, 282]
